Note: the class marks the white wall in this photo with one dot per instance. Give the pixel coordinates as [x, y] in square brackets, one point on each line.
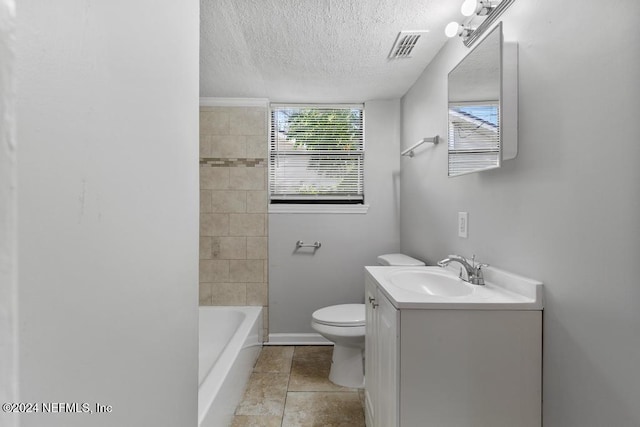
[8, 215]
[108, 200]
[566, 210]
[300, 283]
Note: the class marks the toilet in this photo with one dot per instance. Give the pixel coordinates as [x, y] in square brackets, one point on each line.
[344, 325]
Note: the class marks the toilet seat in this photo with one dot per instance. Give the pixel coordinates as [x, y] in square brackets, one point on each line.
[342, 315]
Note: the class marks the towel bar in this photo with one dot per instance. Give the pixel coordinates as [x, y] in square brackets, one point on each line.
[301, 244]
[409, 151]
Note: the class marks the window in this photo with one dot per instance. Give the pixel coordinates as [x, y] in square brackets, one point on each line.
[316, 154]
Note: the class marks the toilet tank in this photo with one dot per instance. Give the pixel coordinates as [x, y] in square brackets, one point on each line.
[398, 259]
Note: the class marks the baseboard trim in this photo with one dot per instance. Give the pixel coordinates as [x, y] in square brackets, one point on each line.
[297, 339]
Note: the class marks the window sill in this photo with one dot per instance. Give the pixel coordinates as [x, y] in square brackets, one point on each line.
[282, 208]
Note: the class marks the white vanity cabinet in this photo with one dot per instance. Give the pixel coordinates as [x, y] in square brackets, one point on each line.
[381, 359]
[450, 367]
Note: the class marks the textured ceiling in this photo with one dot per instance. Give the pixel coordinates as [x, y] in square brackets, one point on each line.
[316, 50]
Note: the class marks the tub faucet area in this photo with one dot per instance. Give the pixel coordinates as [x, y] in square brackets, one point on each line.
[473, 270]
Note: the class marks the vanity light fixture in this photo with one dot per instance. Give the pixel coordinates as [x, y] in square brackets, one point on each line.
[478, 7]
[489, 9]
[454, 29]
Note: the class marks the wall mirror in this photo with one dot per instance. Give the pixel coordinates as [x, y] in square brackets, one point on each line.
[483, 106]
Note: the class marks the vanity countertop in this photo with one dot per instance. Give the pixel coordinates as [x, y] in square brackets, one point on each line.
[502, 290]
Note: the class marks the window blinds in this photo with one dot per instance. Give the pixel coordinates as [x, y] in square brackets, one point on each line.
[316, 154]
[474, 137]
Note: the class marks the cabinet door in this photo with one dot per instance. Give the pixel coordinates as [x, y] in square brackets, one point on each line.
[370, 356]
[387, 330]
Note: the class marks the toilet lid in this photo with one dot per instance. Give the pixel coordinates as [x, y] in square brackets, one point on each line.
[341, 315]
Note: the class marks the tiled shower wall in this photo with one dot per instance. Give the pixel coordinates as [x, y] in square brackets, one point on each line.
[233, 207]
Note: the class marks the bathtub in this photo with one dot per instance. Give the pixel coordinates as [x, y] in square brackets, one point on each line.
[230, 339]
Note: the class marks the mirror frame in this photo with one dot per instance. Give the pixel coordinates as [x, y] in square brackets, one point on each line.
[508, 102]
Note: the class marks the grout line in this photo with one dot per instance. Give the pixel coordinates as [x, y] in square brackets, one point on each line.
[286, 397]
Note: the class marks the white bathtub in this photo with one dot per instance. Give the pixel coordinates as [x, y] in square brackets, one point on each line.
[230, 339]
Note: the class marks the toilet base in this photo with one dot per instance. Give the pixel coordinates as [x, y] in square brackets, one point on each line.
[347, 367]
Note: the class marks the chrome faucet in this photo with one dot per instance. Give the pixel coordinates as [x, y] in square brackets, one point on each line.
[473, 270]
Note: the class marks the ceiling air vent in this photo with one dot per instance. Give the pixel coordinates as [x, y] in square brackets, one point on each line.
[404, 44]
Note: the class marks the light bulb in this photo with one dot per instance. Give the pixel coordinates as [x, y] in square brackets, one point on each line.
[469, 7]
[451, 30]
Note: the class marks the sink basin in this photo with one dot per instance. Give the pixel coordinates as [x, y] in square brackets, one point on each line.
[430, 282]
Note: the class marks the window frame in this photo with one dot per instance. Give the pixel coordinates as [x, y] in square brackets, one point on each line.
[300, 203]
